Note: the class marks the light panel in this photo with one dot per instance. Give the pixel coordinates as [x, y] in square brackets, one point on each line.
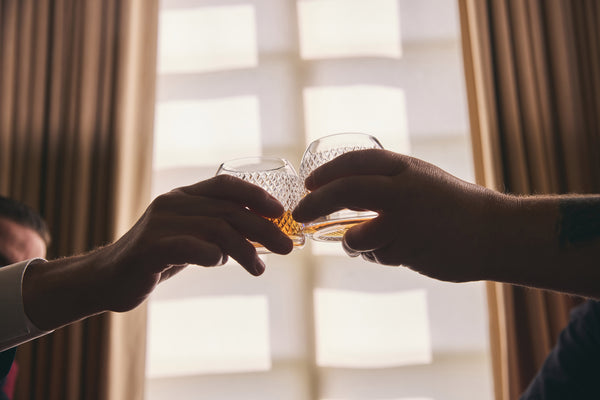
[207, 39]
[208, 335]
[349, 28]
[376, 110]
[371, 330]
[206, 132]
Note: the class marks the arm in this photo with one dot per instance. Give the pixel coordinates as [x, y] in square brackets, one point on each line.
[555, 244]
[443, 227]
[201, 224]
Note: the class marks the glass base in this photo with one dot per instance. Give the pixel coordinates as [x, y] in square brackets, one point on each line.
[297, 240]
[333, 230]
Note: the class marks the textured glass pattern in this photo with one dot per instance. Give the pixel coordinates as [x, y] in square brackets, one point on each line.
[312, 161]
[332, 227]
[278, 178]
[280, 184]
[286, 188]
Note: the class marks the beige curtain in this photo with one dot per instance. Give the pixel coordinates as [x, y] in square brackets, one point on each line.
[534, 102]
[77, 84]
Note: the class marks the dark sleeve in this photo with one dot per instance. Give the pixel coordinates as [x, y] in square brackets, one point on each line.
[6, 360]
[572, 370]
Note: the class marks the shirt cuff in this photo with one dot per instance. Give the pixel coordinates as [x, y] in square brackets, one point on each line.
[15, 326]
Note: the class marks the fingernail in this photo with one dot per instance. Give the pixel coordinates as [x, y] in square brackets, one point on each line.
[223, 260]
[259, 267]
[308, 182]
[275, 199]
[369, 256]
[349, 251]
[295, 215]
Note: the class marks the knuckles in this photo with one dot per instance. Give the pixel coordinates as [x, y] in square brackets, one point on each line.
[163, 202]
[228, 180]
[218, 229]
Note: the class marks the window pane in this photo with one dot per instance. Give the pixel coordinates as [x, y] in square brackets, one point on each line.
[206, 132]
[371, 330]
[377, 110]
[208, 335]
[398, 398]
[207, 39]
[349, 28]
[284, 382]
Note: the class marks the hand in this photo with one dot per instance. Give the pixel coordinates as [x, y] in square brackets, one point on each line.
[428, 219]
[200, 224]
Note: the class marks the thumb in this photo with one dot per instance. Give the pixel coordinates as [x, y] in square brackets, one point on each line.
[369, 235]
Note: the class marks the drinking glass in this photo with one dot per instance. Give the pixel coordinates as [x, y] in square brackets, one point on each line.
[280, 180]
[332, 227]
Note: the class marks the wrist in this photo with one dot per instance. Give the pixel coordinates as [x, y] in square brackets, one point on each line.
[58, 292]
[523, 238]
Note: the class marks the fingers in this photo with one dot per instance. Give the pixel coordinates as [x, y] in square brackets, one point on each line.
[387, 255]
[369, 239]
[264, 232]
[227, 239]
[244, 222]
[356, 192]
[193, 250]
[369, 236]
[183, 249]
[363, 162]
[235, 245]
[171, 271]
[249, 224]
[226, 187]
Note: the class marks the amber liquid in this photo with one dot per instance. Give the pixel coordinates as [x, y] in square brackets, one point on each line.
[288, 226]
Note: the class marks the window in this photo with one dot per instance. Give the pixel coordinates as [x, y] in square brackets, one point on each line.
[248, 77]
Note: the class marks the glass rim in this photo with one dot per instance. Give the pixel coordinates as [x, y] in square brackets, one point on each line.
[237, 164]
[349, 134]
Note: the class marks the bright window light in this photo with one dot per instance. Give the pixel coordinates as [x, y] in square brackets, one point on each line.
[349, 28]
[372, 330]
[192, 336]
[206, 132]
[377, 110]
[397, 398]
[207, 39]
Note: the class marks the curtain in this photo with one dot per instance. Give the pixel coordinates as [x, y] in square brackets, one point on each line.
[77, 82]
[534, 100]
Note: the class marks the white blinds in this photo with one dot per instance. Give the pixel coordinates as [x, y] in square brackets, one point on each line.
[248, 77]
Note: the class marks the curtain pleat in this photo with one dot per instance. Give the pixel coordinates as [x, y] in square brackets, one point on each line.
[77, 82]
[532, 80]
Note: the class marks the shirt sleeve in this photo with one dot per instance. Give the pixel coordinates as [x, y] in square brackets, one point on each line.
[572, 368]
[15, 326]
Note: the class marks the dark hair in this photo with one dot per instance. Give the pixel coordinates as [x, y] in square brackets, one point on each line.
[25, 216]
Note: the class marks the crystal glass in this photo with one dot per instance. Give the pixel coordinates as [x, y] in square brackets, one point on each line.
[332, 227]
[280, 180]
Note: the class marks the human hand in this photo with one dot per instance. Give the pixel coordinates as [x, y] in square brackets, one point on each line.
[200, 224]
[428, 220]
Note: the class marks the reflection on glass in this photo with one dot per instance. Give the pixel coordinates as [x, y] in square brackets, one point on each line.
[207, 39]
[372, 330]
[204, 132]
[207, 335]
[349, 28]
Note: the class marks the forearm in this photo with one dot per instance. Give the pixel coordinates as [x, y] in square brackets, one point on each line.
[550, 242]
[62, 291]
